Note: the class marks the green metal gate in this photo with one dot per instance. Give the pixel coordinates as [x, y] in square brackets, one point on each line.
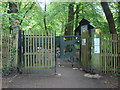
[68, 50]
[38, 51]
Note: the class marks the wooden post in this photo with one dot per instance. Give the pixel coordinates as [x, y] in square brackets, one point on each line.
[15, 27]
[0, 49]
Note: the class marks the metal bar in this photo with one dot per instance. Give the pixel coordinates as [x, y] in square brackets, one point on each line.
[28, 52]
[8, 48]
[111, 57]
[37, 36]
[117, 63]
[55, 60]
[105, 59]
[51, 49]
[48, 50]
[25, 53]
[107, 67]
[31, 56]
[33, 50]
[45, 54]
[39, 51]
[103, 64]
[114, 52]
[36, 57]
[42, 50]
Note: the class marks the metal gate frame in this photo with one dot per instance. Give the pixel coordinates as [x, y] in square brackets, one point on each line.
[36, 51]
[66, 56]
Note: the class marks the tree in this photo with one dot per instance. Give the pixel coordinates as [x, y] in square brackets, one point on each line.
[109, 17]
[45, 19]
[12, 9]
[28, 9]
[119, 16]
[77, 15]
[69, 26]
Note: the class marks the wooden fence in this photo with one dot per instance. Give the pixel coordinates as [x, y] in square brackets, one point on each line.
[110, 54]
[8, 51]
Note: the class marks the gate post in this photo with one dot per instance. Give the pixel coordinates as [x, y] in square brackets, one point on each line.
[85, 31]
[20, 50]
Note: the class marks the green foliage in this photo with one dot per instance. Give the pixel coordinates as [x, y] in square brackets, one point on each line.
[9, 67]
[57, 15]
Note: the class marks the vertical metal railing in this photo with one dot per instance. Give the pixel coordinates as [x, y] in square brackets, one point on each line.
[39, 51]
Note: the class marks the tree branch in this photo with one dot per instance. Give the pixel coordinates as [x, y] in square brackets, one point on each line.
[25, 6]
[80, 9]
[27, 12]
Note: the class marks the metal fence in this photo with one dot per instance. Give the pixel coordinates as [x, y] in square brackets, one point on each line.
[110, 54]
[38, 51]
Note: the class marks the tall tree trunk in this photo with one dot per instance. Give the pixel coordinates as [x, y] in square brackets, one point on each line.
[45, 19]
[109, 17]
[119, 16]
[12, 9]
[77, 16]
[70, 25]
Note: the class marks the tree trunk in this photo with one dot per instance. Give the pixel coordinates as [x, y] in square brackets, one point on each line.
[12, 9]
[118, 45]
[119, 16]
[77, 16]
[70, 25]
[109, 17]
[45, 19]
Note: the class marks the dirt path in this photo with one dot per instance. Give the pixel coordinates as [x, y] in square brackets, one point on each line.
[67, 78]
